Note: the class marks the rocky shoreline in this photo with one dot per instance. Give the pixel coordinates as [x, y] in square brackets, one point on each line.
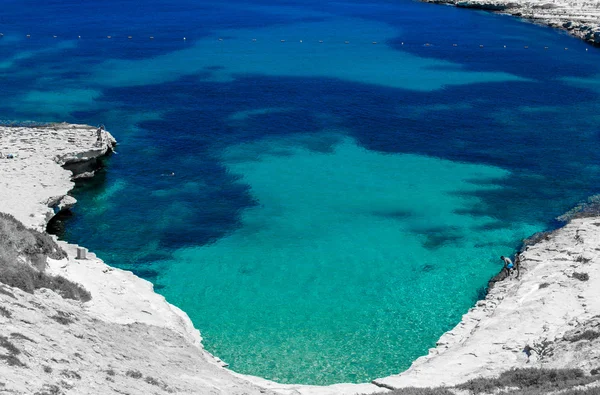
[125, 322]
[112, 340]
[579, 18]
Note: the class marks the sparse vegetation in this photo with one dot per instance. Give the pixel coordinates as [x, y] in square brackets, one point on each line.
[581, 276]
[585, 335]
[12, 351]
[152, 381]
[47, 369]
[15, 236]
[50, 389]
[23, 254]
[540, 380]
[158, 383]
[420, 391]
[63, 318]
[135, 374]
[544, 285]
[20, 336]
[6, 292]
[70, 374]
[4, 312]
[581, 259]
[110, 372]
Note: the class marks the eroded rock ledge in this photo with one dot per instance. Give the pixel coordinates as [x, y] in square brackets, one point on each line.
[33, 181]
[580, 18]
[555, 300]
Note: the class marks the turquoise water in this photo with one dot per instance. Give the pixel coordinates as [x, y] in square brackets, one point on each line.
[323, 211]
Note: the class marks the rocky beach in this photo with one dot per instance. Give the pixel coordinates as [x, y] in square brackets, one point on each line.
[579, 18]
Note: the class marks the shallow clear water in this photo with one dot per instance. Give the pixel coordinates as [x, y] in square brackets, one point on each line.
[335, 207]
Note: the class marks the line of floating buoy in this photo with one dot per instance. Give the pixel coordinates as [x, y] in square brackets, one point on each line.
[300, 41]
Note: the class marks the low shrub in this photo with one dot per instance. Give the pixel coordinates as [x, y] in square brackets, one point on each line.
[544, 285]
[530, 378]
[63, 318]
[14, 235]
[6, 292]
[581, 276]
[20, 336]
[585, 335]
[23, 255]
[420, 391]
[4, 312]
[134, 374]
[12, 351]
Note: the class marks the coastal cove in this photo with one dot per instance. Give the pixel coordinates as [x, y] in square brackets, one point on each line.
[556, 292]
[322, 211]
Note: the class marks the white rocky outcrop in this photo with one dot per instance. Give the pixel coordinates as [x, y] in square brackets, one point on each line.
[33, 183]
[580, 18]
[550, 299]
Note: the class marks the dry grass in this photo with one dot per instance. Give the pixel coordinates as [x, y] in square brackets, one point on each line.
[517, 382]
[23, 254]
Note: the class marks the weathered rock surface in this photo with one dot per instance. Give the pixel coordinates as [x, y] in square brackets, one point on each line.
[32, 183]
[580, 18]
[558, 292]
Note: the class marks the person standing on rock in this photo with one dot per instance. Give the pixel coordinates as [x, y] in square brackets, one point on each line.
[508, 265]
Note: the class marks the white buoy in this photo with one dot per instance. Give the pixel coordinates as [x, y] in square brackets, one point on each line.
[545, 47]
[54, 36]
[184, 39]
[402, 42]
[566, 48]
[505, 46]
[78, 36]
[300, 40]
[108, 36]
[480, 45]
[586, 49]
[455, 45]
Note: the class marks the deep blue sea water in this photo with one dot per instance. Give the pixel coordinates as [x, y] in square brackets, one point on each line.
[334, 206]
